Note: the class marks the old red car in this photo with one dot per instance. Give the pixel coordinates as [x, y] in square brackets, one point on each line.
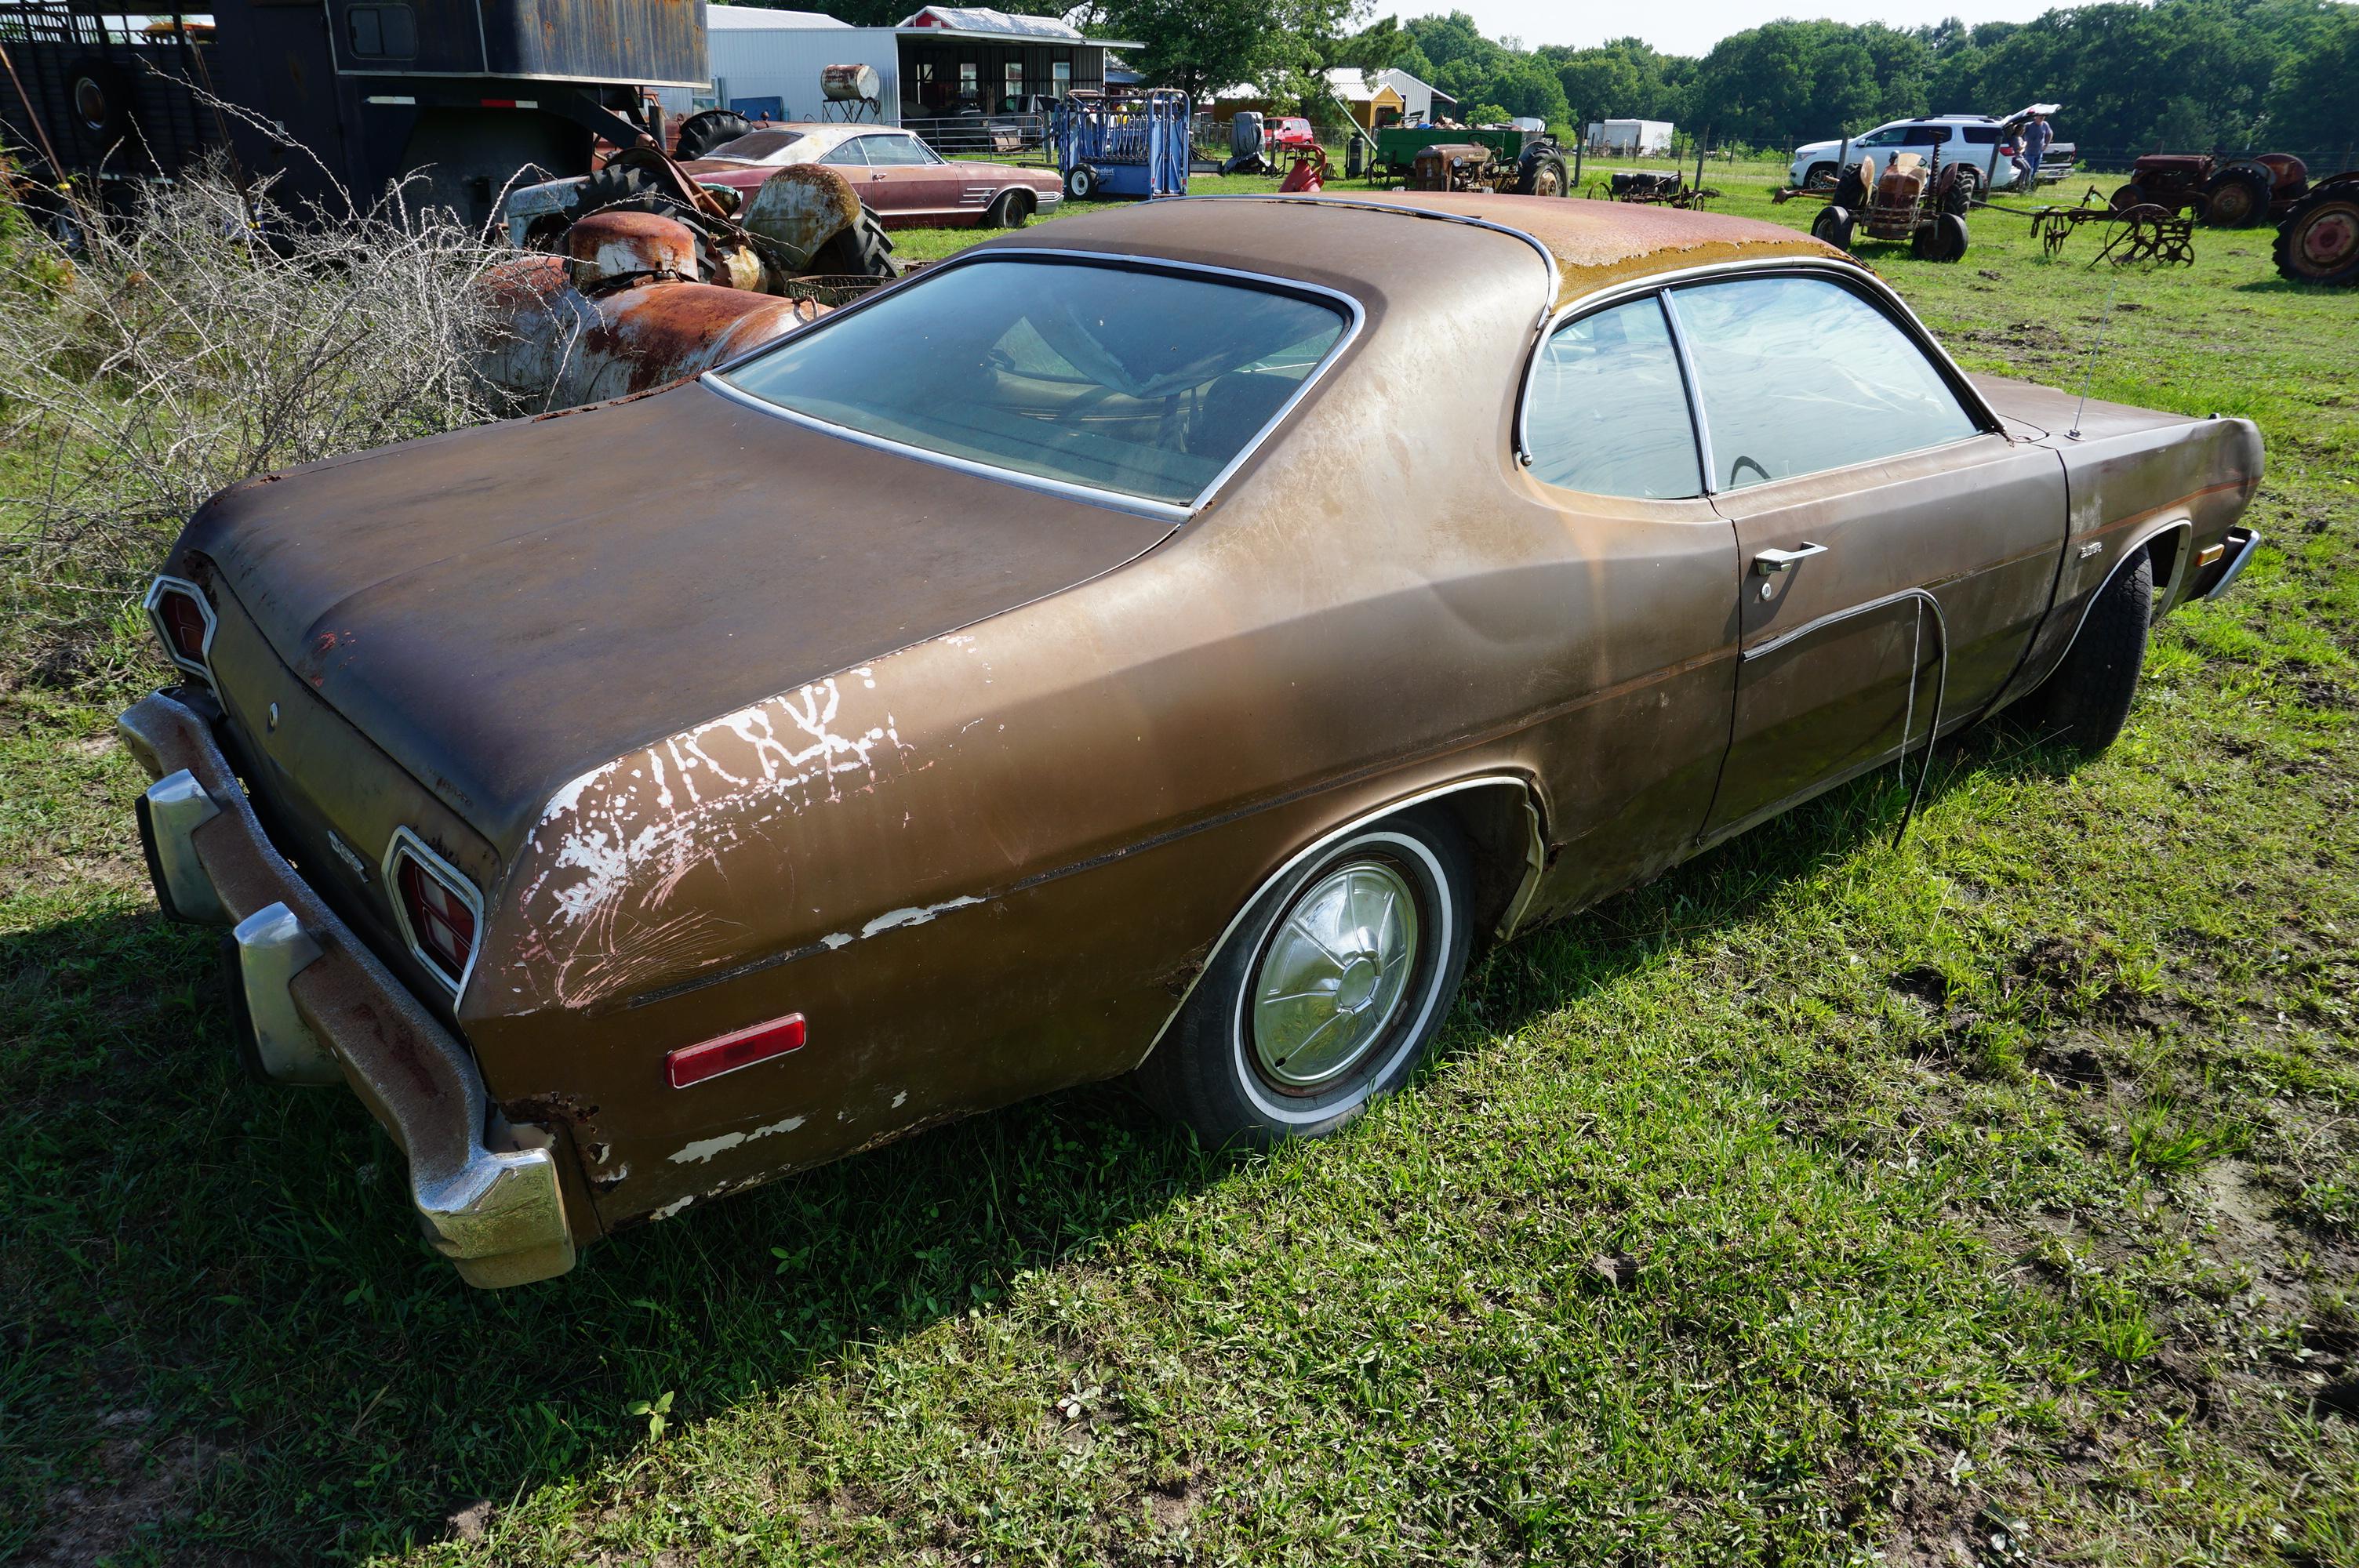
[897, 177]
[1168, 643]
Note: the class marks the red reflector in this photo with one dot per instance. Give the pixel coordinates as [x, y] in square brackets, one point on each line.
[694, 1064]
[499, 102]
[439, 921]
[183, 620]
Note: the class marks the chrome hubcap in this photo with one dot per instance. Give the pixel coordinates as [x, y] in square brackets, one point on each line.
[1335, 975]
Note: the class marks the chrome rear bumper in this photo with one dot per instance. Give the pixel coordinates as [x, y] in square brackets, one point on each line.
[323, 1010]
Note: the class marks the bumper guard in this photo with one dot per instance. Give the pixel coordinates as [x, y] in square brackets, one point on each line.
[325, 1008]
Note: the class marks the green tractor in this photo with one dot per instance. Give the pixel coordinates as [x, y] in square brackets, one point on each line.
[1530, 163]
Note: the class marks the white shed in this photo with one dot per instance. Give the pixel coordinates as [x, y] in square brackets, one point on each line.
[1630, 135]
[941, 60]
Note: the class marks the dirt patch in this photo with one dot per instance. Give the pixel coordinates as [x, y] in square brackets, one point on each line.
[1171, 1507]
[140, 1485]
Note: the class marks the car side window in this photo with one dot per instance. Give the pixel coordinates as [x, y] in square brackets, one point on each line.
[894, 152]
[849, 156]
[1983, 135]
[1608, 413]
[1888, 137]
[1798, 376]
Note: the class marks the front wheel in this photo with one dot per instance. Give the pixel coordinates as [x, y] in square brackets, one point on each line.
[1080, 182]
[2084, 703]
[1328, 992]
[1834, 224]
[1012, 210]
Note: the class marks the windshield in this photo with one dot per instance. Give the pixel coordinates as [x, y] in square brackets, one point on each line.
[1118, 378]
[755, 146]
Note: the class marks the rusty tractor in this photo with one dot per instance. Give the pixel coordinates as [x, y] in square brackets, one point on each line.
[1538, 170]
[2317, 237]
[1913, 201]
[2235, 193]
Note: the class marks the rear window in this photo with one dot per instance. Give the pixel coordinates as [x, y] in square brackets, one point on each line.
[755, 146]
[1144, 383]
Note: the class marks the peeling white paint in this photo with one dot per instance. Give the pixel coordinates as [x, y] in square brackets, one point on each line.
[899, 1098]
[673, 1207]
[914, 916]
[706, 1148]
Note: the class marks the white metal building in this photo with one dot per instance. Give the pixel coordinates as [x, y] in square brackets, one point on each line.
[941, 60]
[1630, 135]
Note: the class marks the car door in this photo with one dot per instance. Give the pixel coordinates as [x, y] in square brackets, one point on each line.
[1645, 572]
[1899, 549]
[905, 178]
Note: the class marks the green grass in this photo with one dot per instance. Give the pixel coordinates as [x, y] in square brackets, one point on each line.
[1991, 1193]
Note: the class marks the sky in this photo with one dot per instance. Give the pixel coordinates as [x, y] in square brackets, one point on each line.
[1692, 26]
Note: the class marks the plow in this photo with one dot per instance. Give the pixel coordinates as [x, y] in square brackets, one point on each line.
[2140, 233]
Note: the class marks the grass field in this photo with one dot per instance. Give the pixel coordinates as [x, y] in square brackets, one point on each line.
[1986, 1197]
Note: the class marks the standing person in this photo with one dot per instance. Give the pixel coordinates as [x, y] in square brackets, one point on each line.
[2030, 147]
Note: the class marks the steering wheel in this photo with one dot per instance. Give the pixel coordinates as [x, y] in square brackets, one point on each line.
[1746, 463]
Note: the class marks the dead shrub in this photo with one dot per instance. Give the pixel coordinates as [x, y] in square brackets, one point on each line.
[204, 336]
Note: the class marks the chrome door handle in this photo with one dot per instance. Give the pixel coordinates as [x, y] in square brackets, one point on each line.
[1769, 562]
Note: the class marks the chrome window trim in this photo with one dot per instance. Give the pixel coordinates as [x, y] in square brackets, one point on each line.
[1355, 317]
[1843, 272]
[405, 841]
[203, 669]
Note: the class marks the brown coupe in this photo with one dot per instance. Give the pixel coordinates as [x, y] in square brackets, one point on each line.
[1165, 644]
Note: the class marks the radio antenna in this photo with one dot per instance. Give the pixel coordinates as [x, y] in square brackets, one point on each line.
[2090, 375]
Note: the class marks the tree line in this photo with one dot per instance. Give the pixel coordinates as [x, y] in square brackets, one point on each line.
[2182, 75]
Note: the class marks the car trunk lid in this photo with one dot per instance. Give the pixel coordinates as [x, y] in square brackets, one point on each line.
[502, 609]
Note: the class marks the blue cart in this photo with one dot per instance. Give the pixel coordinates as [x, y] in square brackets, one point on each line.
[1122, 146]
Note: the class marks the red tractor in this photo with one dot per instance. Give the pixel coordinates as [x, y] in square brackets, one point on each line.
[2317, 237]
[2235, 194]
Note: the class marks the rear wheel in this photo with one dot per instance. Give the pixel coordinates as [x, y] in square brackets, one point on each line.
[2236, 198]
[702, 132]
[2129, 196]
[2084, 704]
[863, 249]
[2319, 241]
[1541, 174]
[1327, 993]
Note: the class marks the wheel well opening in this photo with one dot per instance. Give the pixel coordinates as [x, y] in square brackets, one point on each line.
[1501, 823]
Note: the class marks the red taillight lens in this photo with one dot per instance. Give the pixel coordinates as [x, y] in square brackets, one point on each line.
[182, 620]
[694, 1064]
[441, 921]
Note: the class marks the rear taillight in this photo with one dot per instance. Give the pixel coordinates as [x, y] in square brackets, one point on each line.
[183, 621]
[439, 911]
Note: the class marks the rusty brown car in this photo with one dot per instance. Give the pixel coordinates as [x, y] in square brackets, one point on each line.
[1165, 644]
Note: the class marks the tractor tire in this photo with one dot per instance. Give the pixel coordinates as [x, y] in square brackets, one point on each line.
[2236, 198]
[1851, 189]
[865, 250]
[2084, 702]
[1080, 182]
[1833, 225]
[614, 185]
[2129, 196]
[1541, 174]
[2319, 240]
[1942, 240]
[1965, 188]
[703, 132]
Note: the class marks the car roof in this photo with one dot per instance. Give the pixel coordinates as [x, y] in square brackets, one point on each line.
[1591, 244]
